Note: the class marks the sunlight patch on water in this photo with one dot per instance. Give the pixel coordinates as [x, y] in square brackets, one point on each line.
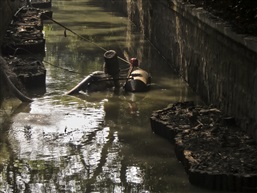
[50, 128]
[134, 175]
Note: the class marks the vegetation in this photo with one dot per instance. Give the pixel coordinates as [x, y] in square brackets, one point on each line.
[240, 14]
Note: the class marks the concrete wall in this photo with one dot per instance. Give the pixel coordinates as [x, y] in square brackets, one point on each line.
[219, 65]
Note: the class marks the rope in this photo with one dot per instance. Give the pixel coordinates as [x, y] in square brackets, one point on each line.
[83, 38]
[73, 32]
[37, 58]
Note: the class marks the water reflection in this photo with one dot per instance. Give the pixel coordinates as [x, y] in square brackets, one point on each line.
[92, 142]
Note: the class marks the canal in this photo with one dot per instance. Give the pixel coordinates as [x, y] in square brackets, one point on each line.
[94, 141]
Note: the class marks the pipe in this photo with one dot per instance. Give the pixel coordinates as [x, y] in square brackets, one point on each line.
[95, 77]
[83, 84]
[16, 92]
[111, 66]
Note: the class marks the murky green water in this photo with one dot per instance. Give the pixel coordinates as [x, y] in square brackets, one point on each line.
[93, 142]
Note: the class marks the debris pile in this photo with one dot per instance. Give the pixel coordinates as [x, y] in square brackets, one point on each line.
[24, 35]
[215, 153]
[23, 38]
[30, 72]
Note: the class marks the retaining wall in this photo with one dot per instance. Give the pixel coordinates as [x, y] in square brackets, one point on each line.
[220, 65]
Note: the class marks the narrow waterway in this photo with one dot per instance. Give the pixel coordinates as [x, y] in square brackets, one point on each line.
[96, 141]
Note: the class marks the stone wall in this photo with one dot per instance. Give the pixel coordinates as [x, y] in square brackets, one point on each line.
[220, 66]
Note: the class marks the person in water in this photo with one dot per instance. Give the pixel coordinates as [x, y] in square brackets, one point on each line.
[137, 79]
[101, 80]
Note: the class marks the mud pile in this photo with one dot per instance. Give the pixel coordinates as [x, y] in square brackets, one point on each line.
[216, 154]
[31, 72]
[24, 37]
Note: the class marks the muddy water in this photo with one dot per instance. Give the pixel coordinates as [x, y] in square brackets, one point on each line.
[94, 141]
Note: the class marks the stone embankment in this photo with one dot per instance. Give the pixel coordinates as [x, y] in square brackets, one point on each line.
[24, 37]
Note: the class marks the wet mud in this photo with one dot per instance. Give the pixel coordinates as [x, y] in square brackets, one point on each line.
[31, 72]
[215, 152]
[24, 34]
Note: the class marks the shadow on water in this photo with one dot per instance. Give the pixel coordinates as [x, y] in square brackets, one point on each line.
[99, 141]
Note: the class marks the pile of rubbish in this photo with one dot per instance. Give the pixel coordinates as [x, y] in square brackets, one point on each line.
[23, 38]
[214, 151]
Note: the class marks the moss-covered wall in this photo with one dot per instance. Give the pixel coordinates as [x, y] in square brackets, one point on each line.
[220, 65]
